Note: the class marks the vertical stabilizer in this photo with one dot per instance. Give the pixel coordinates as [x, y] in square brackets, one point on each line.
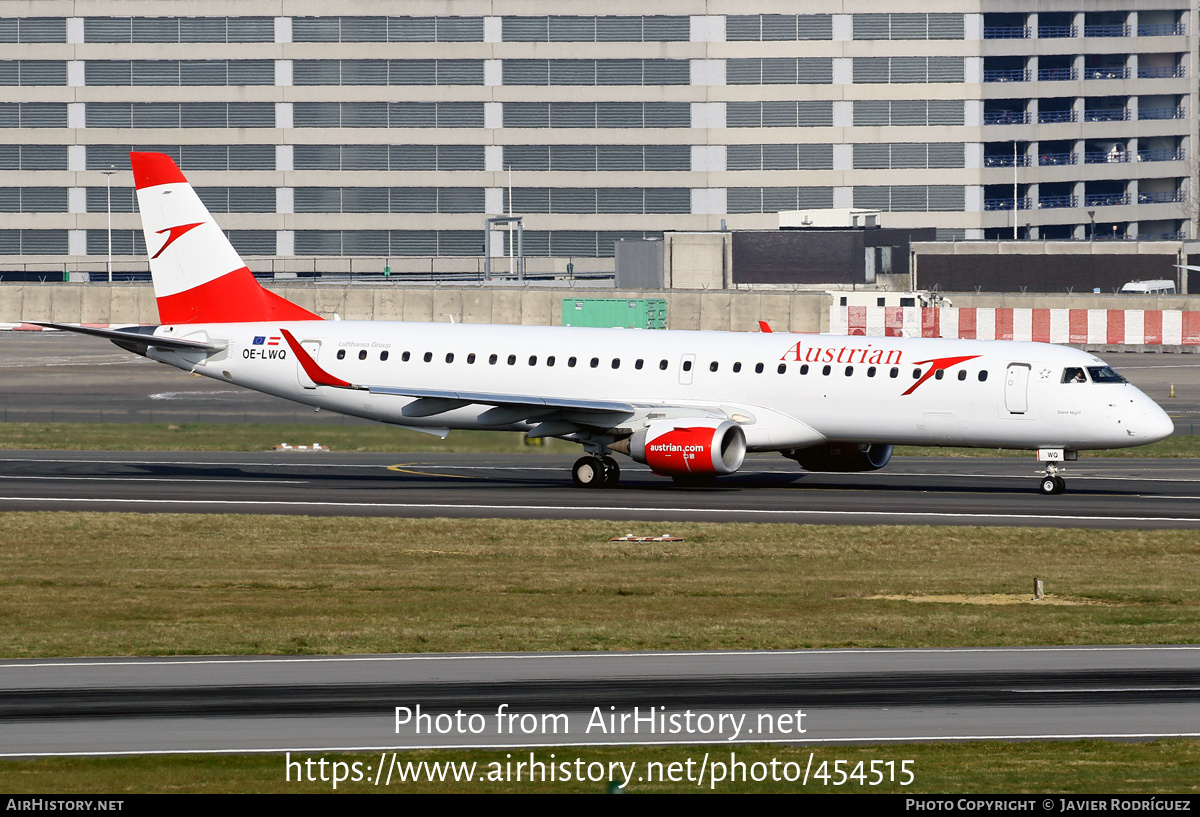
[198, 275]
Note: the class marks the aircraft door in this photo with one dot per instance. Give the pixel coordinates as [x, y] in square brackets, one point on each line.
[1016, 388]
[313, 347]
[686, 364]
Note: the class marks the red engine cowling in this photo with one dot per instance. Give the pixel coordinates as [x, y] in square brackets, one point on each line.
[686, 447]
[844, 457]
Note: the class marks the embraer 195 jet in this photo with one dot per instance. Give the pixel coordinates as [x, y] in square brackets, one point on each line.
[688, 404]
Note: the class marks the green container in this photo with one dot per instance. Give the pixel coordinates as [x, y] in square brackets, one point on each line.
[630, 313]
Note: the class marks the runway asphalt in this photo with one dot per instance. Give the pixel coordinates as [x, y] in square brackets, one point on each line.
[326, 703]
[1101, 493]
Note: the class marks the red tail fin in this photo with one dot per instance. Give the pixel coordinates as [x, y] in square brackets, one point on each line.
[198, 275]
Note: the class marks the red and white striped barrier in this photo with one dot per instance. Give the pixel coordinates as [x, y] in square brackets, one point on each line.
[1138, 327]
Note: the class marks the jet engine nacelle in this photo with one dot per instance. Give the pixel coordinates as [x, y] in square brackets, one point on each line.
[842, 457]
[683, 447]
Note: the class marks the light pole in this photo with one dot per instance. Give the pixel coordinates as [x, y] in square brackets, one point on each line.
[108, 174]
[1016, 202]
[510, 224]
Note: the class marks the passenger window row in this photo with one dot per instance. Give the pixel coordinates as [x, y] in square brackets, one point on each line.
[893, 372]
[511, 360]
[593, 363]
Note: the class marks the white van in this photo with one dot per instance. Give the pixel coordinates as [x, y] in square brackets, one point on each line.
[1159, 287]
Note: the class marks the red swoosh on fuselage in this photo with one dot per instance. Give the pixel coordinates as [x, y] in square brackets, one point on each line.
[315, 373]
[175, 232]
[939, 364]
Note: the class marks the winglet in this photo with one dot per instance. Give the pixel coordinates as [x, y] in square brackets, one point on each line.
[315, 373]
[763, 326]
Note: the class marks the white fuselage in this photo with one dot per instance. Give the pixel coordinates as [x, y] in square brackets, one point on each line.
[786, 390]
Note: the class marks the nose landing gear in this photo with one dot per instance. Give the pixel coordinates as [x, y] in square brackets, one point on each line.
[1051, 483]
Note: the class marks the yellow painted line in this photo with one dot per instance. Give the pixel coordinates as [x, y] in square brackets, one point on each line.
[401, 469]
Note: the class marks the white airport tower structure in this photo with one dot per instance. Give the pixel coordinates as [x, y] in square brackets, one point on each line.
[390, 130]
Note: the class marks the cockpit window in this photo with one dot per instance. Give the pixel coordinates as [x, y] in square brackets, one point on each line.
[1104, 374]
[1074, 374]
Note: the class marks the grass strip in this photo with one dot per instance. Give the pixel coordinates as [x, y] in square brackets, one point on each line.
[257, 437]
[380, 438]
[986, 768]
[77, 584]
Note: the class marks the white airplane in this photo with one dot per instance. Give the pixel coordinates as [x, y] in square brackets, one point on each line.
[688, 404]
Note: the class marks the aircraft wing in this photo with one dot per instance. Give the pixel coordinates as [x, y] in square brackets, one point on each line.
[140, 336]
[491, 398]
[507, 408]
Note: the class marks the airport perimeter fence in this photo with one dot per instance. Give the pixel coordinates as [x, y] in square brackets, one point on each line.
[580, 271]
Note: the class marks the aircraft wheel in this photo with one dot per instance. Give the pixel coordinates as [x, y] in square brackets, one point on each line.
[1051, 486]
[588, 472]
[612, 472]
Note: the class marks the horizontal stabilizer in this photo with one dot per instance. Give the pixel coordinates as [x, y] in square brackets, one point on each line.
[140, 336]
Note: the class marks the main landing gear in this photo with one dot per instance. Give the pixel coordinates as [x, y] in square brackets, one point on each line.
[1051, 483]
[595, 472]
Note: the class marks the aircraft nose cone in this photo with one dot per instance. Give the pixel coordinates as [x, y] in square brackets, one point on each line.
[1155, 425]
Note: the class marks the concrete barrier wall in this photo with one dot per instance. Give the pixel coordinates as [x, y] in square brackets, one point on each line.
[1078, 316]
[123, 304]
[1079, 327]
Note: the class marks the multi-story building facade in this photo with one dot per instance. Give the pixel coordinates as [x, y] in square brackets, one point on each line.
[1090, 113]
[391, 129]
